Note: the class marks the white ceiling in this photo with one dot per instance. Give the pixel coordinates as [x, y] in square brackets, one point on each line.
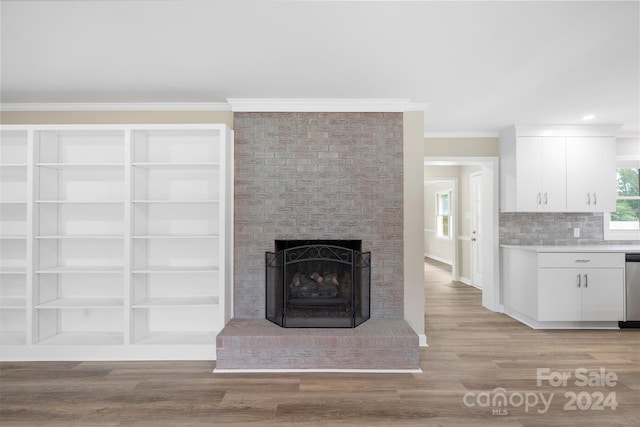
[479, 66]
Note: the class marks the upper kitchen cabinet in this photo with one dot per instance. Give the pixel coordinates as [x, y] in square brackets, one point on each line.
[591, 174]
[558, 168]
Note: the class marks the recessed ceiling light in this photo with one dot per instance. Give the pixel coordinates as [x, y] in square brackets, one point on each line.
[589, 117]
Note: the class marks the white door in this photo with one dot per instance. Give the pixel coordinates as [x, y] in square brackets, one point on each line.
[476, 229]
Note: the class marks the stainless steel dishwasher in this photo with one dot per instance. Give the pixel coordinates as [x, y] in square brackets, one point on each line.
[632, 286]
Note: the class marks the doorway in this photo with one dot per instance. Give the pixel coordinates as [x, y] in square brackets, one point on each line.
[485, 178]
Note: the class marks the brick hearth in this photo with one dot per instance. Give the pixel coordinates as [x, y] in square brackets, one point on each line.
[380, 344]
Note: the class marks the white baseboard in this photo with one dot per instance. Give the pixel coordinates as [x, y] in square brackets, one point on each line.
[439, 259]
[464, 280]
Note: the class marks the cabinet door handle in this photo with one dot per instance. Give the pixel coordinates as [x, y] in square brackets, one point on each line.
[545, 198]
[578, 280]
[539, 198]
[595, 200]
[588, 198]
[586, 281]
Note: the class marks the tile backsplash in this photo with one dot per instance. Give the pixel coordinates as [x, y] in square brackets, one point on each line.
[553, 229]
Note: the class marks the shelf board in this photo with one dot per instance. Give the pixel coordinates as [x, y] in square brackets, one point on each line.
[179, 270]
[81, 236]
[178, 236]
[81, 166]
[85, 338]
[82, 270]
[83, 303]
[177, 302]
[13, 237]
[176, 201]
[15, 303]
[179, 338]
[13, 270]
[13, 202]
[170, 165]
[13, 338]
[81, 202]
[12, 165]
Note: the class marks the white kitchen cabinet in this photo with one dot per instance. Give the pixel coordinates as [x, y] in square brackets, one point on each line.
[121, 241]
[558, 169]
[591, 174]
[568, 294]
[541, 174]
[563, 289]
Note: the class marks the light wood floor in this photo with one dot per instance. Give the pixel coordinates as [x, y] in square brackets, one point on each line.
[472, 352]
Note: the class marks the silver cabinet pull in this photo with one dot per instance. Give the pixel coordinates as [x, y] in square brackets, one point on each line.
[586, 280]
[539, 198]
[578, 280]
[595, 200]
[588, 198]
[545, 198]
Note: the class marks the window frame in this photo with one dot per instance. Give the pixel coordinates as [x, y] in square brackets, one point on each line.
[617, 234]
[438, 215]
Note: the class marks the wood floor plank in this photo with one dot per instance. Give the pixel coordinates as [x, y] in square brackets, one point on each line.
[472, 353]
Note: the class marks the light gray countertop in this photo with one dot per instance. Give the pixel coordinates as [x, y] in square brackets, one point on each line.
[577, 248]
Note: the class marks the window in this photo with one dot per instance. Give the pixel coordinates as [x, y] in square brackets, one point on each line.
[624, 223]
[443, 214]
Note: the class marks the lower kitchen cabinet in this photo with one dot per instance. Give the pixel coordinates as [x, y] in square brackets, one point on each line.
[567, 294]
[563, 289]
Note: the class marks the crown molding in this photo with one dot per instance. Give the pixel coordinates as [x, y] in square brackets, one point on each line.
[289, 105]
[169, 106]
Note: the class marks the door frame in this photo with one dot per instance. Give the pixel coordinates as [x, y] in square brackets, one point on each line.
[491, 294]
[472, 203]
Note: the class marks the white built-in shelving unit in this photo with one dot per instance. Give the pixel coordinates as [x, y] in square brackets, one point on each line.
[116, 241]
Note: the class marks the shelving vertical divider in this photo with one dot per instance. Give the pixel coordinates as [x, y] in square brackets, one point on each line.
[31, 233]
[128, 225]
[226, 232]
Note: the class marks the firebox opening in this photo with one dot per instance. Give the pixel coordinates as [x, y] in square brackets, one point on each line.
[318, 283]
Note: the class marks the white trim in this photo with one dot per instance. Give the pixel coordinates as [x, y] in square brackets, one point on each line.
[323, 105]
[565, 130]
[465, 238]
[439, 259]
[168, 106]
[611, 234]
[477, 134]
[422, 340]
[312, 371]
[466, 281]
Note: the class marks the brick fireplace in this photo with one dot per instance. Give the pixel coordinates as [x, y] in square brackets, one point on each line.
[304, 176]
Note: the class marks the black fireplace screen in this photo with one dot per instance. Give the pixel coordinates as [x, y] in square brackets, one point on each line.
[318, 286]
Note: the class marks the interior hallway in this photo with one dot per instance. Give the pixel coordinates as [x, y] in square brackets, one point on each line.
[471, 352]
